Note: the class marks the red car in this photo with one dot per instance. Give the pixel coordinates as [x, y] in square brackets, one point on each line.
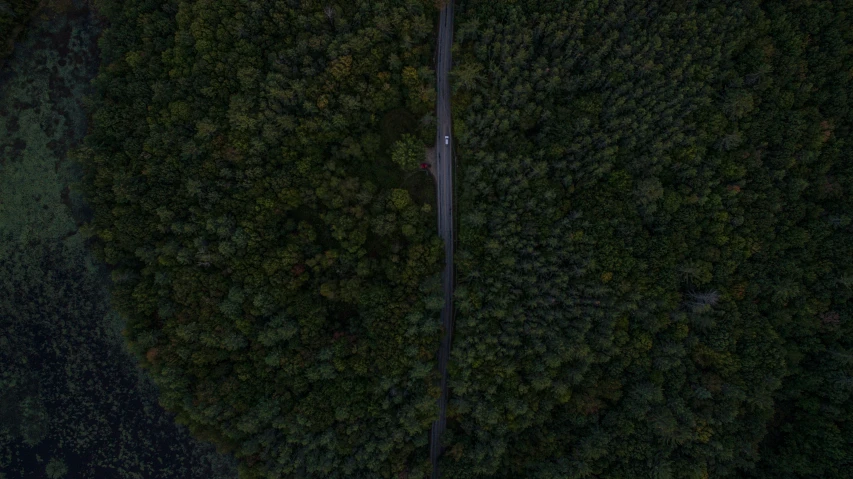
[425, 166]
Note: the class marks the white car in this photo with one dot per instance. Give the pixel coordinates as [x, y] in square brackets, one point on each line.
[446, 140]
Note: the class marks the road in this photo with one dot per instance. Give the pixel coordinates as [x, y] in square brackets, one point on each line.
[443, 171]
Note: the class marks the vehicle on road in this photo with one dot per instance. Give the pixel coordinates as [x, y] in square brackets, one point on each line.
[425, 166]
[446, 140]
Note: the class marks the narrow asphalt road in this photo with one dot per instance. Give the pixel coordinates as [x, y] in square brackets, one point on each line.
[443, 171]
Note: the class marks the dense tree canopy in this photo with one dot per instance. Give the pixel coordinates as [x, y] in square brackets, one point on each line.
[655, 242]
[654, 261]
[278, 270]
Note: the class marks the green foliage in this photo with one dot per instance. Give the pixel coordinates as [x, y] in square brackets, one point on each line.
[400, 198]
[653, 240]
[654, 261]
[273, 264]
[56, 468]
[408, 152]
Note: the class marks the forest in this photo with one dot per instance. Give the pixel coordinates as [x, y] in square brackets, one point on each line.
[654, 270]
[270, 239]
[654, 261]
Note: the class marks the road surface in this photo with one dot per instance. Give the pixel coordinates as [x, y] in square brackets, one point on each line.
[443, 171]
